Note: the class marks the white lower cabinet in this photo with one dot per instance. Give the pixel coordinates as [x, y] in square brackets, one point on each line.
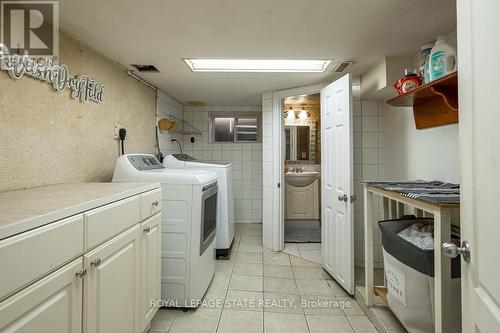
[302, 202]
[150, 268]
[111, 293]
[108, 289]
[52, 304]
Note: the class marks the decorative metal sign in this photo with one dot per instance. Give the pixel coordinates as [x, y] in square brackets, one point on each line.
[82, 87]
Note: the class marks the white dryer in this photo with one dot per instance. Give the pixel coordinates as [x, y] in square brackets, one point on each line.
[225, 211]
[188, 225]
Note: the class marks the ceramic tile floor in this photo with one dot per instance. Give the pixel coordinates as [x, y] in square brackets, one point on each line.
[258, 290]
[308, 251]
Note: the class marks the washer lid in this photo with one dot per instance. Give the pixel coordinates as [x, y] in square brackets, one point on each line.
[183, 157]
[182, 176]
[181, 161]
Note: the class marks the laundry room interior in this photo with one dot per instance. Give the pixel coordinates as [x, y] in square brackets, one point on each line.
[249, 166]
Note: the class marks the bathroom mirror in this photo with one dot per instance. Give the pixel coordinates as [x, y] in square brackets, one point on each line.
[299, 146]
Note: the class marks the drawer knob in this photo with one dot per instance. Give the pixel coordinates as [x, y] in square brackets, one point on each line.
[147, 229]
[81, 274]
[155, 203]
[95, 262]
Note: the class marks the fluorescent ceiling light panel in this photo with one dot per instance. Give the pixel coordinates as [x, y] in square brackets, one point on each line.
[257, 65]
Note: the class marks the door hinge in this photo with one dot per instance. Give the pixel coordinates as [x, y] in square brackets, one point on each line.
[279, 185]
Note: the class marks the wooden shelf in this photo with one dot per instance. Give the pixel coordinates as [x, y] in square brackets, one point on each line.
[434, 103]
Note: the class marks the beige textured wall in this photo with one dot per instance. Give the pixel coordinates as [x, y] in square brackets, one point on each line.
[49, 138]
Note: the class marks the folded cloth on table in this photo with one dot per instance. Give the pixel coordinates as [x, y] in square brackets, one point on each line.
[435, 192]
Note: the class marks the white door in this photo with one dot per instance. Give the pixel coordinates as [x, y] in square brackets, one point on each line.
[52, 304]
[478, 54]
[337, 231]
[150, 268]
[111, 293]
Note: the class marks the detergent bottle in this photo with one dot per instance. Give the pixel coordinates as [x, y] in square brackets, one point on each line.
[442, 60]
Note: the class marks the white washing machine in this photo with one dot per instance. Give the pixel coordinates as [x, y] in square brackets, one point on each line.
[188, 225]
[225, 211]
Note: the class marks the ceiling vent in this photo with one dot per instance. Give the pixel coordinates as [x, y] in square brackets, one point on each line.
[342, 66]
[145, 68]
[195, 103]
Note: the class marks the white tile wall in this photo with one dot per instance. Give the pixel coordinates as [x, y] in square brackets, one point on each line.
[368, 127]
[168, 106]
[246, 160]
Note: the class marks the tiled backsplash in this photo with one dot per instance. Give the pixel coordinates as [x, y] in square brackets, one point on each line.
[246, 160]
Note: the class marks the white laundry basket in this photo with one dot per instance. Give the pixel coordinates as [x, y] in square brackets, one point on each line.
[409, 273]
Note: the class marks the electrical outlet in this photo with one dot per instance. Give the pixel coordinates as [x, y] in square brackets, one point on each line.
[117, 130]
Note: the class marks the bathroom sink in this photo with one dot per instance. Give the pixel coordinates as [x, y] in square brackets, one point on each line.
[301, 179]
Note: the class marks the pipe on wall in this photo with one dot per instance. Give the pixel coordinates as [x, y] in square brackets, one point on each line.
[159, 155]
[132, 74]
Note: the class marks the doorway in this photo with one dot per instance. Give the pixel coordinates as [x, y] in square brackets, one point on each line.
[336, 251]
[302, 170]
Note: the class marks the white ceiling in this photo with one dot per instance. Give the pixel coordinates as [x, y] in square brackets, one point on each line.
[163, 32]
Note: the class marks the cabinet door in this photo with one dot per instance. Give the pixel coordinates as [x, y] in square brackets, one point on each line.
[150, 268]
[300, 202]
[111, 295]
[52, 304]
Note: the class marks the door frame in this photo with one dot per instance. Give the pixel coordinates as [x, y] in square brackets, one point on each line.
[278, 164]
[466, 156]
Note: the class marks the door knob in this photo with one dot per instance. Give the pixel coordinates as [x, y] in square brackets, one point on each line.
[343, 197]
[451, 250]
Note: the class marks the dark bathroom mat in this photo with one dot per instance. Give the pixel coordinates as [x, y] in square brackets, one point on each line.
[302, 231]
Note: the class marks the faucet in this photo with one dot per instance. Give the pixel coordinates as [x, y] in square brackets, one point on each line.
[297, 170]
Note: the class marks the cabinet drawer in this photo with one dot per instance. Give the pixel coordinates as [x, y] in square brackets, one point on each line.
[150, 203]
[108, 221]
[27, 257]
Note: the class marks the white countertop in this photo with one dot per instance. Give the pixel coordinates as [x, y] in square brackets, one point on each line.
[27, 209]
